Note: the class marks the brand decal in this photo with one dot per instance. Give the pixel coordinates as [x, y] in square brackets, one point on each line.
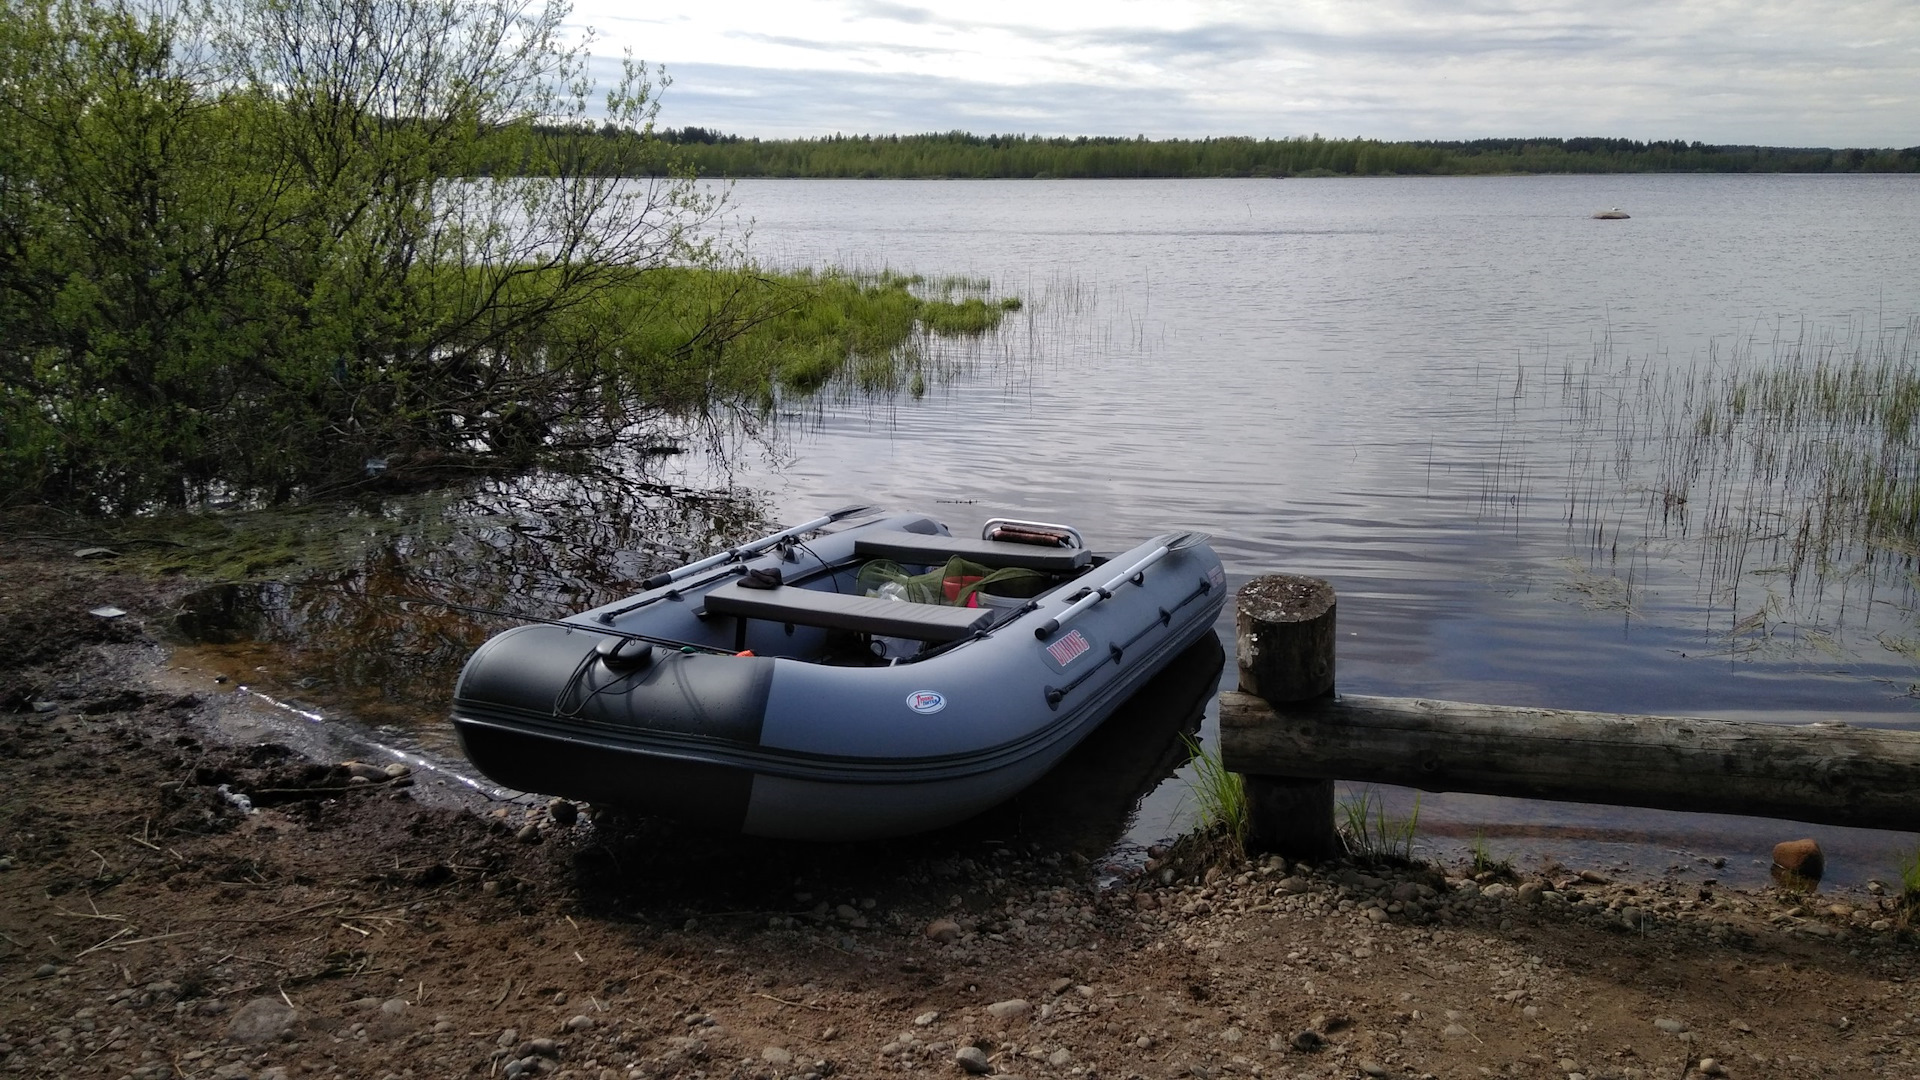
[926, 701]
[1216, 575]
[1068, 649]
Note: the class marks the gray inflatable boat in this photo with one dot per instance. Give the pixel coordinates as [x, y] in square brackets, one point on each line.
[773, 690]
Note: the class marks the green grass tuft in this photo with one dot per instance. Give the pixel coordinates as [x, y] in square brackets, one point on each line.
[1371, 835]
[1221, 794]
[1483, 861]
[1909, 900]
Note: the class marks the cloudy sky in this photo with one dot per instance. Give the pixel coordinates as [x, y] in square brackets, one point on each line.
[1802, 72]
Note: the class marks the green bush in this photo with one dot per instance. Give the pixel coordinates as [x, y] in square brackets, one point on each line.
[253, 247]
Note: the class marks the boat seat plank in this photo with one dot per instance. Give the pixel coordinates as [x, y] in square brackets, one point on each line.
[911, 547]
[840, 611]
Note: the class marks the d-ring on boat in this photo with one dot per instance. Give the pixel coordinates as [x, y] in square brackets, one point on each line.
[837, 681]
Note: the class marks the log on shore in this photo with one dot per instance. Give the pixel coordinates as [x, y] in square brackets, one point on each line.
[1832, 774]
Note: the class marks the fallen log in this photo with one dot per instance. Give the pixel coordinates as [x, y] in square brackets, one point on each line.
[1827, 773]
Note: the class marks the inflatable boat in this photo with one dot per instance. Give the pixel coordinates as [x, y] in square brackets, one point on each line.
[857, 676]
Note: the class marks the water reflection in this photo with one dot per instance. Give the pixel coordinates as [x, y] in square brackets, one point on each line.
[1086, 804]
[373, 642]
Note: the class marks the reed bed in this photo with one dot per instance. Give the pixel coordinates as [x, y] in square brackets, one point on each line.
[1779, 472]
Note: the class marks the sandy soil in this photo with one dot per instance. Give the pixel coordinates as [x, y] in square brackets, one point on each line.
[150, 927]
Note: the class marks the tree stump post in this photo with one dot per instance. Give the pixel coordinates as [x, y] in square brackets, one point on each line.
[1284, 634]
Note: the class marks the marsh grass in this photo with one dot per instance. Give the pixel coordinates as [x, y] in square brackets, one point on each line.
[1778, 475]
[1371, 834]
[1220, 795]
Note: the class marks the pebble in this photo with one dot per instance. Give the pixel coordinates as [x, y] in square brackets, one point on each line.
[528, 834]
[1011, 1009]
[579, 1023]
[973, 1059]
[1531, 892]
[925, 1019]
[1371, 1068]
[944, 931]
[262, 1020]
[1453, 1031]
[1669, 1025]
[776, 1055]
[1307, 1041]
[46, 971]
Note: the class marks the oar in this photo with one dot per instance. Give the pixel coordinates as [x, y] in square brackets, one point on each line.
[1167, 544]
[752, 548]
[628, 635]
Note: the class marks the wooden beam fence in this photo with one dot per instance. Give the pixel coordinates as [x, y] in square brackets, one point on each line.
[1291, 737]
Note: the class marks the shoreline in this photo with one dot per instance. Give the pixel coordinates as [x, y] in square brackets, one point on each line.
[154, 929]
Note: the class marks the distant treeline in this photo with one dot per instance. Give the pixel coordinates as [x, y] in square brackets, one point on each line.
[958, 154]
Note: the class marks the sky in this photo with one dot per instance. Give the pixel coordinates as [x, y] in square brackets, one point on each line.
[1799, 73]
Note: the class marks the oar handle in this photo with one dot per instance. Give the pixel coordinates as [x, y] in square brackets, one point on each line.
[1102, 593]
[754, 547]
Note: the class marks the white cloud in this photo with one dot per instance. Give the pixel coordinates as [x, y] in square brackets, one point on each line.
[1769, 71]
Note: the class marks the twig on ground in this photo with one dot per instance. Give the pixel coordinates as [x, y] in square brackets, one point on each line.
[797, 1004]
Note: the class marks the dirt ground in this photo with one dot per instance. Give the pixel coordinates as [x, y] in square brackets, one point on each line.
[150, 926]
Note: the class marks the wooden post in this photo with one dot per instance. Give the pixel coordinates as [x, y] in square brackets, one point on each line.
[1284, 632]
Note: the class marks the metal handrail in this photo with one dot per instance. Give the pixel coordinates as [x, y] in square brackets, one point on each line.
[986, 531]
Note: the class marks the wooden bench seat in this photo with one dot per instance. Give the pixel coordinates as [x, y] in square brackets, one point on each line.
[840, 611]
[927, 550]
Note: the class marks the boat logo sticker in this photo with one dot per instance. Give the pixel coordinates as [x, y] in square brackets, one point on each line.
[926, 701]
[1068, 649]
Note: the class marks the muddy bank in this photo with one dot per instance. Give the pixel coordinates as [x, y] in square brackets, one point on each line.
[153, 927]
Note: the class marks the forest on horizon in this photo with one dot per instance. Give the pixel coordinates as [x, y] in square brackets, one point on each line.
[964, 155]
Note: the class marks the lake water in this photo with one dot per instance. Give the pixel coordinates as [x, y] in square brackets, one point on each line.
[1393, 384]
[1468, 404]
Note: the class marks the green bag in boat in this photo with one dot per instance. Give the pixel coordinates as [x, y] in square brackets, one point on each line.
[959, 583]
